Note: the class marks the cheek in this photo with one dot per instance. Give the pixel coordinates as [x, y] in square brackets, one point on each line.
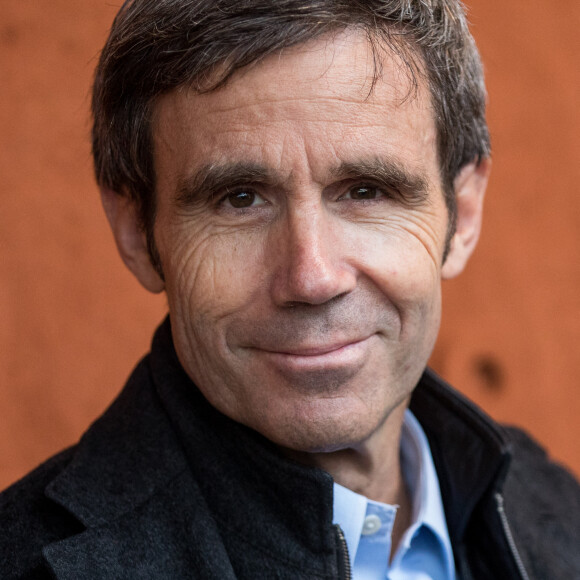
[211, 275]
[402, 263]
[210, 279]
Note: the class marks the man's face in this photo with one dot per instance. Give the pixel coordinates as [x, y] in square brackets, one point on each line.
[301, 225]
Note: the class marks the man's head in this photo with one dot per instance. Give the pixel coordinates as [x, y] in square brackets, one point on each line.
[302, 211]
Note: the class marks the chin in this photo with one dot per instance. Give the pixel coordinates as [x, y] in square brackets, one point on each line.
[323, 432]
[335, 424]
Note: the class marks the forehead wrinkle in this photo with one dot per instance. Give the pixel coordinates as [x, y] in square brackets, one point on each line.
[301, 107]
[241, 91]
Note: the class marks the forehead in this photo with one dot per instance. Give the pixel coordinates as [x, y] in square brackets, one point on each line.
[312, 101]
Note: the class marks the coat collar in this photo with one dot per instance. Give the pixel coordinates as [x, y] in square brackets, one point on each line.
[471, 451]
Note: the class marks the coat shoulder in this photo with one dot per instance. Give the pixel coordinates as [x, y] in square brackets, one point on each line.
[29, 520]
[542, 501]
[533, 474]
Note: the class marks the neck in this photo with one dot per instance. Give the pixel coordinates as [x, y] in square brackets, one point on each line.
[372, 468]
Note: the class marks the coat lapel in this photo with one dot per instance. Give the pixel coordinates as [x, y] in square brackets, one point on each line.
[129, 484]
[159, 539]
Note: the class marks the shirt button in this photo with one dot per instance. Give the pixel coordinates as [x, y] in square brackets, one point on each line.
[371, 525]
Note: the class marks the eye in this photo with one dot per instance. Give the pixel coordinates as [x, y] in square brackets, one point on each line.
[242, 199]
[362, 192]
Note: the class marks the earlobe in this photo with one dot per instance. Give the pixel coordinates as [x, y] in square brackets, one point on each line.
[470, 186]
[131, 239]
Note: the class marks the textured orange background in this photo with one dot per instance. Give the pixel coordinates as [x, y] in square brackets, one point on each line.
[73, 322]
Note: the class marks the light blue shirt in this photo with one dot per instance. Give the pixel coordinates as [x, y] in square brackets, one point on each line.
[424, 552]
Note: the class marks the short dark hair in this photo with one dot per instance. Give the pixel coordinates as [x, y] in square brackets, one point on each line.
[156, 46]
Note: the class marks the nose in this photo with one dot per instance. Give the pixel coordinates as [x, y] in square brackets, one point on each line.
[311, 258]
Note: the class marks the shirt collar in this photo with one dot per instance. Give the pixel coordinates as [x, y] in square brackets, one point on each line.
[421, 478]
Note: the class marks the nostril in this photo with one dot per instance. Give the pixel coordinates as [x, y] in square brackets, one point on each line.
[306, 304]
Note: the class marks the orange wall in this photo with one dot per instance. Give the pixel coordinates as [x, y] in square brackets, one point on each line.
[73, 322]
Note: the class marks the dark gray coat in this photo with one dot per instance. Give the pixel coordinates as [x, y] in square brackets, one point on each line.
[164, 487]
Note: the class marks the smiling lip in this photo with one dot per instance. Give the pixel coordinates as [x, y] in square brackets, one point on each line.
[316, 350]
[351, 353]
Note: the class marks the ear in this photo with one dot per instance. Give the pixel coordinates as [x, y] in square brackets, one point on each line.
[131, 239]
[470, 186]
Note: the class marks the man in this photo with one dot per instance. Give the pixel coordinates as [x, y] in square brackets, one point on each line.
[298, 177]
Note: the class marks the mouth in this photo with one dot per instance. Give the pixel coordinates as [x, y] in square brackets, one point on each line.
[350, 353]
[318, 350]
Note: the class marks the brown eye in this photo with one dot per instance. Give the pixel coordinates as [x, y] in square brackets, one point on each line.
[364, 192]
[241, 199]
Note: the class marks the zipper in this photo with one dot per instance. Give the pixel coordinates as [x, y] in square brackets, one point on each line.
[509, 536]
[344, 569]
[462, 568]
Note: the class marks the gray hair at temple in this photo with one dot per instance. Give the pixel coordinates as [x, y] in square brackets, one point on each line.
[156, 46]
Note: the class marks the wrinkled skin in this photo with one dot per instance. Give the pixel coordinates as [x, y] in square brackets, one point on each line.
[303, 284]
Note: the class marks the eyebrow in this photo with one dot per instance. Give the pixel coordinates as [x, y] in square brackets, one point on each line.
[410, 188]
[213, 178]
